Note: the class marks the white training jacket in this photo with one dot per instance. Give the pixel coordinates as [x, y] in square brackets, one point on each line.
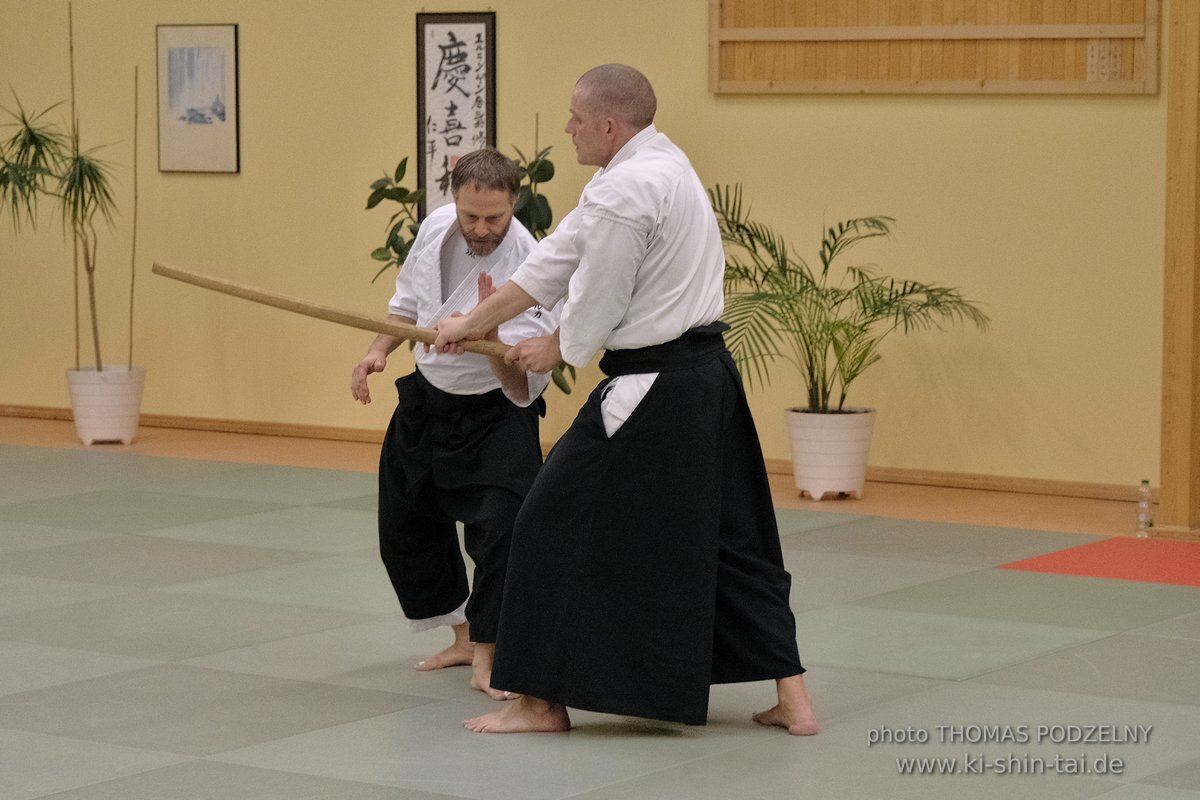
[640, 258]
[419, 296]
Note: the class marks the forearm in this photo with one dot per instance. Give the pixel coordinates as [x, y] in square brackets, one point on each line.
[505, 303]
[513, 380]
[384, 343]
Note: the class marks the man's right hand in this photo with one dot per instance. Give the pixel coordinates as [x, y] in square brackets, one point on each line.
[358, 379]
[537, 354]
[451, 331]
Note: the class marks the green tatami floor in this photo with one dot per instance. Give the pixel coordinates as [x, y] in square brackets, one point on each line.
[175, 628]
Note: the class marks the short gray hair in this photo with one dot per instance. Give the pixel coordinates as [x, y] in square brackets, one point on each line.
[620, 91]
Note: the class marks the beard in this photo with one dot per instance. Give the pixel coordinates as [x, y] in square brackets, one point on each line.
[484, 245]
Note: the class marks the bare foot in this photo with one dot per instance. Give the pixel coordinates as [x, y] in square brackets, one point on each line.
[794, 710]
[481, 672]
[495, 694]
[524, 715]
[459, 654]
[781, 717]
[456, 655]
[482, 682]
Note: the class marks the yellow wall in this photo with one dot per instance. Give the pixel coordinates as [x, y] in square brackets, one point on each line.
[1048, 210]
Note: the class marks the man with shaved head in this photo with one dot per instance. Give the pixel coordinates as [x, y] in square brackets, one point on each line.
[645, 562]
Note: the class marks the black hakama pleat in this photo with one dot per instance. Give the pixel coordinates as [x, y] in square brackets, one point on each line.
[647, 566]
[448, 458]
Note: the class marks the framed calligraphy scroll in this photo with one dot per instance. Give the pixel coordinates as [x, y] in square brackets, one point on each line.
[456, 96]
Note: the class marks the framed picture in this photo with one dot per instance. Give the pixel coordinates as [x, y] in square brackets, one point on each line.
[198, 98]
[456, 96]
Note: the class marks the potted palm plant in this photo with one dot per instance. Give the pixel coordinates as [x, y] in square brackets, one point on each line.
[828, 323]
[43, 160]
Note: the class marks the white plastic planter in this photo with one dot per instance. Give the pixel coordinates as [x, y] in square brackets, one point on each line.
[829, 451]
[106, 404]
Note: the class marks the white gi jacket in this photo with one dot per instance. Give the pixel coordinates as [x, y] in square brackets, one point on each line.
[640, 259]
[419, 296]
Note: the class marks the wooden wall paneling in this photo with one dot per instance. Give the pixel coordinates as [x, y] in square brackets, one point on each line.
[934, 46]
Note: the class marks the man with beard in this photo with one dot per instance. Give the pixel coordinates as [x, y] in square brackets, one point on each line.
[462, 445]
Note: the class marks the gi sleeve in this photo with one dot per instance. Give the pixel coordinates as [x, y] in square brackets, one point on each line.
[610, 250]
[547, 271]
[405, 302]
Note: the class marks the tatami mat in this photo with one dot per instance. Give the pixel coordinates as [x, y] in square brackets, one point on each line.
[202, 629]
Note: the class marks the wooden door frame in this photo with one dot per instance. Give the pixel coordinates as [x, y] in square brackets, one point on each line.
[1179, 496]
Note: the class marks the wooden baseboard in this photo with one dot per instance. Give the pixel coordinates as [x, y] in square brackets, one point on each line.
[990, 483]
[1176, 532]
[775, 466]
[35, 412]
[264, 428]
[215, 425]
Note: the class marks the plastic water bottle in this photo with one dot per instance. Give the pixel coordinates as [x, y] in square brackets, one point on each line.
[1145, 510]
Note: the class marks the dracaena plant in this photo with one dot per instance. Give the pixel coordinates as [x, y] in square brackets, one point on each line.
[41, 160]
[826, 321]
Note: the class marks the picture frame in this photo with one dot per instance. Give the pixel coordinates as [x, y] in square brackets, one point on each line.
[198, 104]
[456, 96]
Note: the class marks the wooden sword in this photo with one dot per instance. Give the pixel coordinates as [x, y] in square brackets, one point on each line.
[350, 318]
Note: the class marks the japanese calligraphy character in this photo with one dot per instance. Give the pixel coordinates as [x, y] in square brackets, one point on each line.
[453, 65]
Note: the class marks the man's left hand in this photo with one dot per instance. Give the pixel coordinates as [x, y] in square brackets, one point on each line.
[487, 289]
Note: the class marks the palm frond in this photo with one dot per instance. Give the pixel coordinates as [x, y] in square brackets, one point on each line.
[846, 234]
[778, 309]
[752, 338]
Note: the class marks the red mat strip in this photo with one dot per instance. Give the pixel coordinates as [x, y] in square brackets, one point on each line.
[1149, 560]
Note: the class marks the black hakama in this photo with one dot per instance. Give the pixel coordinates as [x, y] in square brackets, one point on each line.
[647, 566]
[447, 458]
